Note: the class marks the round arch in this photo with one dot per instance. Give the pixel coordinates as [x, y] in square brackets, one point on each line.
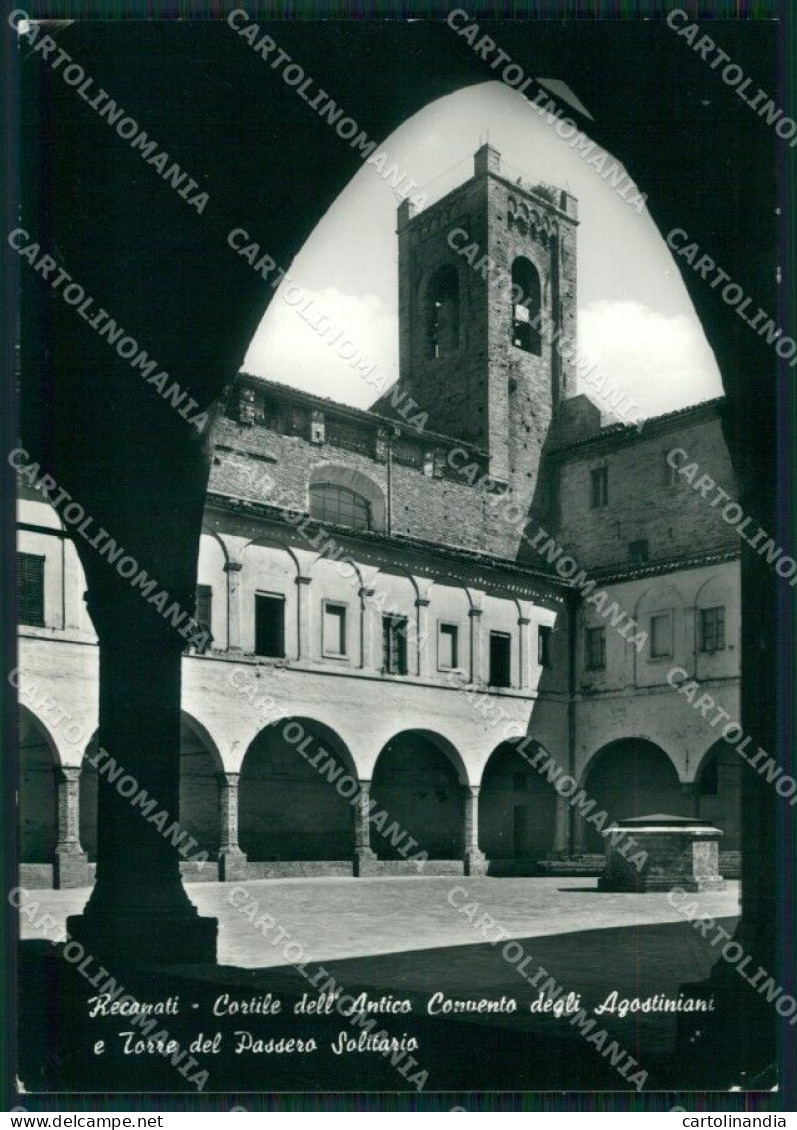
[418, 782]
[449, 580]
[38, 763]
[207, 531]
[347, 478]
[270, 541]
[297, 783]
[200, 765]
[517, 806]
[718, 785]
[630, 777]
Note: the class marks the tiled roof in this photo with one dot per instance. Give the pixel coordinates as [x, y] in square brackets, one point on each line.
[619, 572]
[620, 430]
[363, 414]
[398, 541]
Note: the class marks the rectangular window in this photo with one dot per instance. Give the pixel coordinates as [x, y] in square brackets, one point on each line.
[599, 487]
[270, 626]
[712, 629]
[544, 641]
[394, 644]
[669, 475]
[596, 648]
[333, 631]
[661, 635]
[448, 647]
[30, 589]
[638, 551]
[500, 659]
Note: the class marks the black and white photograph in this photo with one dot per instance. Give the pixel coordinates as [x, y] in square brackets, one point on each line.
[399, 575]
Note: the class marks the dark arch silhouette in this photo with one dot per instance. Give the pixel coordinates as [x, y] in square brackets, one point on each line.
[631, 777]
[38, 762]
[719, 792]
[418, 782]
[291, 810]
[181, 286]
[517, 808]
[198, 810]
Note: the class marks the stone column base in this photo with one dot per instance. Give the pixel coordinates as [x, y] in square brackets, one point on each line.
[232, 865]
[70, 868]
[139, 941]
[365, 861]
[475, 862]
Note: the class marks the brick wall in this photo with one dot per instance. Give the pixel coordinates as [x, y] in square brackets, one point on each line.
[674, 518]
[499, 396]
[430, 501]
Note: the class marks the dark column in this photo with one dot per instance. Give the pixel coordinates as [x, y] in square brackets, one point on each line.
[139, 911]
[232, 861]
[364, 855]
[70, 863]
[473, 858]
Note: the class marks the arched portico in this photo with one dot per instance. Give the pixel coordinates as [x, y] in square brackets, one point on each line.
[626, 778]
[38, 761]
[298, 783]
[49, 832]
[202, 781]
[517, 807]
[421, 784]
[718, 790]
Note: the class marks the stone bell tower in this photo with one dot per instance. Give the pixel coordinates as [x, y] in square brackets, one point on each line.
[487, 288]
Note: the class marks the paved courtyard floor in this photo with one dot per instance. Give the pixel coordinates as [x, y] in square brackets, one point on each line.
[402, 937]
[340, 918]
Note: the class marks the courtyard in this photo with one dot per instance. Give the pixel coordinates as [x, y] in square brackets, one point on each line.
[339, 919]
[414, 938]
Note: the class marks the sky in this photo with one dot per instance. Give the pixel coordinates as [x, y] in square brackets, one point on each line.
[636, 322]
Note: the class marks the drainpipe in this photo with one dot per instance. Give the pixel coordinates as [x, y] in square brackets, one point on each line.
[392, 433]
[572, 643]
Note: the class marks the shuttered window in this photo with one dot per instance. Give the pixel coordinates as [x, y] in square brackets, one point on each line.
[394, 644]
[270, 626]
[30, 589]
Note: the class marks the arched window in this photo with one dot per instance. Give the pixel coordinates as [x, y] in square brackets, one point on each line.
[442, 328]
[526, 306]
[339, 506]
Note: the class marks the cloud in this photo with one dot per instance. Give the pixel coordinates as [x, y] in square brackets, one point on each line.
[661, 362]
[652, 363]
[286, 348]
